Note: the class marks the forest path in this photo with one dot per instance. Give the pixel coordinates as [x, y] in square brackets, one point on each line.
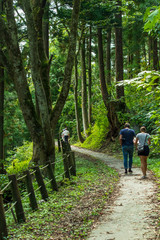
[133, 214]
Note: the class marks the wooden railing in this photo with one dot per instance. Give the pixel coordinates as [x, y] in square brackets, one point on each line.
[69, 169]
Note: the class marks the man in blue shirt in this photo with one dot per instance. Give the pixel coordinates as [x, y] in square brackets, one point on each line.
[126, 140]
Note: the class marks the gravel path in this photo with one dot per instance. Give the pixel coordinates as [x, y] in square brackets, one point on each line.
[133, 214]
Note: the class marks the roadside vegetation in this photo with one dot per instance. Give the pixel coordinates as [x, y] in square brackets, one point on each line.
[70, 212]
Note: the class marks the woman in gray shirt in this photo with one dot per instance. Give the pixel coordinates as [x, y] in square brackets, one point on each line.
[143, 139]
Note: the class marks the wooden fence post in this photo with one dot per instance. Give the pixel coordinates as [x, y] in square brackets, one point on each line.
[59, 145]
[3, 226]
[69, 162]
[30, 189]
[40, 182]
[51, 176]
[73, 164]
[17, 198]
[63, 146]
[66, 166]
[71, 159]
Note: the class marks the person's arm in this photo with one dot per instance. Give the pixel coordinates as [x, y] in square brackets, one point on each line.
[120, 139]
[134, 138]
[136, 142]
[149, 141]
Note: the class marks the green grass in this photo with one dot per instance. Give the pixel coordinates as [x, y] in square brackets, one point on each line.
[70, 212]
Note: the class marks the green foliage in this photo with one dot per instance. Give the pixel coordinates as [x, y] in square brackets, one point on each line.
[152, 19]
[97, 12]
[99, 130]
[19, 159]
[142, 97]
[14, 126]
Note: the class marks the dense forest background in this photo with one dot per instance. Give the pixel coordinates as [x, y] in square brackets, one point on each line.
[89, 65]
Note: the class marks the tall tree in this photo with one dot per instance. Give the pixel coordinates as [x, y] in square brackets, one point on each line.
[110, 105]
[1, 111]
[90, 75]
[119, 55]
[84, 88]
[77, 113]
[108, 56]
[155, 54]
[1, 118]
[41, 130]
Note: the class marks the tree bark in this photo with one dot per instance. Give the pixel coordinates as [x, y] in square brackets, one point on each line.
[137, 58]
[155, 54]
[150, 50]
[68, 67]
[1, 118]
[41, 131]
[77, 113]
[108, 57]
[41, 21]
[90, 76]
[45, 27]
[16, 71]
[40, 134]
[130, 62]
[37, 46]
[110, 105]
[40, 73]
[84, 90]
[155, 59]
[104, 89]
[119, 57]
[130, 53]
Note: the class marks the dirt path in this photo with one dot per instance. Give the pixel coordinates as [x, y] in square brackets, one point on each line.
[133, 214]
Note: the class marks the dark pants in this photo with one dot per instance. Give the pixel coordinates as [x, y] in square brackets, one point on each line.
[66, 139]
[127, 151]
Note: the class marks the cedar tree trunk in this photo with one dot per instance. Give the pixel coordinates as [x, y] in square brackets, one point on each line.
[119, 56]
[89, 76]
[1, 118]
[110, 105]
[77, 113]
[84, 90]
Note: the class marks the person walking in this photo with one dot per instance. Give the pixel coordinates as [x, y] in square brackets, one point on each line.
[126, 138]
[62, 135]
[66, 135]
[141, 143]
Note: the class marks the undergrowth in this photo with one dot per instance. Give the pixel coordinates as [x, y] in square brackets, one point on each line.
[97, 132]
[70, 212]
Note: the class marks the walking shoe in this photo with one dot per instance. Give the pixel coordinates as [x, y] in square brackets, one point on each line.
[125, 171]
[144, 177]
[130, 170]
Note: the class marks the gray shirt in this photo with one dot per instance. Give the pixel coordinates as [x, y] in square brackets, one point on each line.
[142, 139]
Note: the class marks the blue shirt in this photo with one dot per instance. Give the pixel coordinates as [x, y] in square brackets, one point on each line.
[127, 136]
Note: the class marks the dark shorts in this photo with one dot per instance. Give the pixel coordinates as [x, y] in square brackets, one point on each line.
[145, 152]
